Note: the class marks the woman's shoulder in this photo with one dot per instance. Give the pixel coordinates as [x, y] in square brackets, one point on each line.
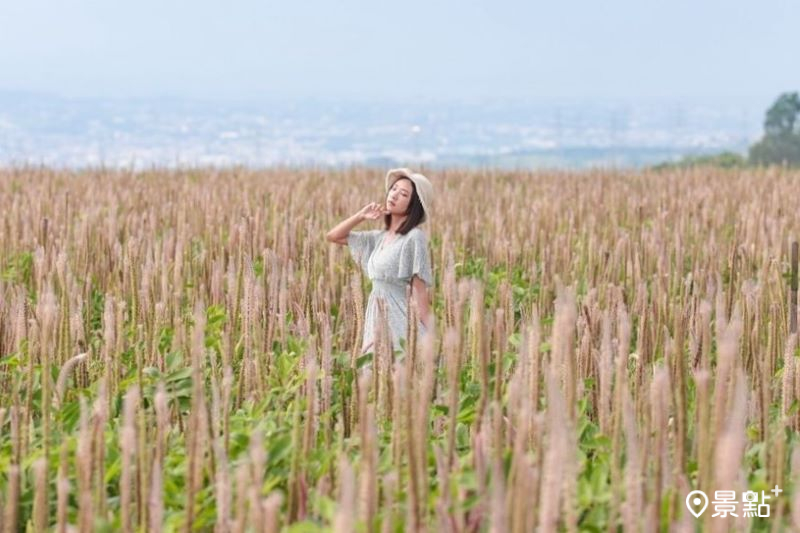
[372, 234]
[418, 233]
[364, 238]
[415, 239]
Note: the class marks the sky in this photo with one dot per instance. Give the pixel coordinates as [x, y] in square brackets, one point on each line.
[616, 50]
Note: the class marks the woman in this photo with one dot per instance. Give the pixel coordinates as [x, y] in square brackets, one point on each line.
[395, 257]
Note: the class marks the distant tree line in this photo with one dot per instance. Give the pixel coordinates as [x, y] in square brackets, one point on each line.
[780, 144]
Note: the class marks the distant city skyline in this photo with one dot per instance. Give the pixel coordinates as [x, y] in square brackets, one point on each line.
[732, 52]
[79, 132]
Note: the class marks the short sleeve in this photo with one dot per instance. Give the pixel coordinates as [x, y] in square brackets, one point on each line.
[415, 259]
[361, 244]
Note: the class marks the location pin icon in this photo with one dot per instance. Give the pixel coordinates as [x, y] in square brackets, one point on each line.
[694, 500]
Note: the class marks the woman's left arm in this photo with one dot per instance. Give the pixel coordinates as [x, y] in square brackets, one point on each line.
[420, 294]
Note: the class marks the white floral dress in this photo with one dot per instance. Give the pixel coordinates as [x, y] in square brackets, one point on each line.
[390, 266]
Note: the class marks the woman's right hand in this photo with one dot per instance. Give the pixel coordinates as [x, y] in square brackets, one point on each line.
[372, 211]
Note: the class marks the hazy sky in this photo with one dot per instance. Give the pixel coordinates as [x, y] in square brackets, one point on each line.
[737, 50]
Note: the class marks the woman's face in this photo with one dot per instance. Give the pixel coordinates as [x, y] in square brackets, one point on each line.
[399, 196]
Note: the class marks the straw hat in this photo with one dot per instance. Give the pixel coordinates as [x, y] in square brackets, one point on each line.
[423, 186]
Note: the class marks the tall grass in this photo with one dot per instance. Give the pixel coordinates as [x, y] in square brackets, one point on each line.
[179, 351]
